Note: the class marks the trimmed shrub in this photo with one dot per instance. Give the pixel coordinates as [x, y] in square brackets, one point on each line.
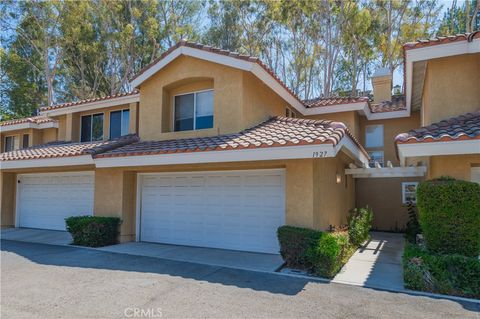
[93, 231]
[330, 253]
[324, 254]
[359, 225]
[294, 244]
[449, 215]
[446, 274]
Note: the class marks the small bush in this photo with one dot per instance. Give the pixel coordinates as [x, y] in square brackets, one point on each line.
[93, 231]
[449, 215]
[318, 252]
[330, 253]
[359, 225]
[413, 226]
[446, 274]
[294, 244]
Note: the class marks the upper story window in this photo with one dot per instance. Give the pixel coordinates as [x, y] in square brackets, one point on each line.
[9, 144]
[374, 136]
[193, 111]
[25, 140]
[119, 123]
[92, 128]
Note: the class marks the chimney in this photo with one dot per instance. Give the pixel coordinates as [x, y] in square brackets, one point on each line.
[382, 85]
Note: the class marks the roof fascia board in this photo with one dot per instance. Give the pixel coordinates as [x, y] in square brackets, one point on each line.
[438, 148]
[28, 125]
[387, 172]
[433, 52]
[259, 154]
[350, 148]
[357, 106]
[48, 162]
[93, 105]
[388, 115]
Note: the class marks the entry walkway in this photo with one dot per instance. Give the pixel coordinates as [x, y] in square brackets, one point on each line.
[377, 264]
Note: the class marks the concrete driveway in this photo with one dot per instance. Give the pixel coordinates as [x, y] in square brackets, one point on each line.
[48, 281]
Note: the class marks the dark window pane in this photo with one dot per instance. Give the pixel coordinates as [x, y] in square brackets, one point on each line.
[9, 143]
[125, 122]
[25, 140]
[184, 112]
[204, 110]
[86, 135]
[97, 127]
[115, 124]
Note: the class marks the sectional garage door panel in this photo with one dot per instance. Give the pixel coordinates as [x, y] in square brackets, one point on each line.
[475, 174]
[238, 210]
[45, 200]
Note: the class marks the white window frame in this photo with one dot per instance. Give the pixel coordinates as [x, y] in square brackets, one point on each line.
[5, 143]
[404, 193]
[91, 127]
[383, 136]
[194, 110]
[121, 122]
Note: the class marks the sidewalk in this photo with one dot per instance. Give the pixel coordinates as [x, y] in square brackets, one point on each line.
[377, 264]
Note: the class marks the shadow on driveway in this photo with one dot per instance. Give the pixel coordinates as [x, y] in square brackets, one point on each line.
[89, 258]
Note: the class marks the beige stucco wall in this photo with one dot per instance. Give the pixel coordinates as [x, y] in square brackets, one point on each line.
[391, 128]
[332, 200]
[240, 99]
[351, 119]
[259, 101]
[384, 196]
[452, 87]
[227, 85]
[457, 166]
[7, 199]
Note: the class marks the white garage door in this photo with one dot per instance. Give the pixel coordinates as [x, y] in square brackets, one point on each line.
[45, 200]
[476, 174]
[238, 210]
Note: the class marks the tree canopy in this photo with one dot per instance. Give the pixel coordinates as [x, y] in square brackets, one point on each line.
[55, 50]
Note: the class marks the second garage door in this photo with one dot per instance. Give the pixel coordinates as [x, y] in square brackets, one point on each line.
[238, 210]
[45, 200]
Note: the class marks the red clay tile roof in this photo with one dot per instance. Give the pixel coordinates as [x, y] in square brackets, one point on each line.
[463, 127]
[442, 40]
[96, 99]
[396, 104]
[33, 119]
[219, 51]
[65, 149]
[275, 132]
[330, 101]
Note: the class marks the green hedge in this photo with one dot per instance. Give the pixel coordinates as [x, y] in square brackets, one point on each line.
[359, 225]
[449, 215]
[93, 231]
[321, 253]
[446, 274]
[294, 244]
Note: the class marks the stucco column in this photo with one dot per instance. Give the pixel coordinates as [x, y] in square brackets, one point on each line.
[7, 199]
[114, 196]
[299, 193]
